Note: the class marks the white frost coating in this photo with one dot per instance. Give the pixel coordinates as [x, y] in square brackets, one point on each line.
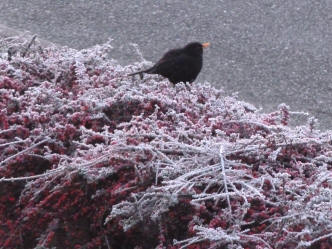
[205, 158]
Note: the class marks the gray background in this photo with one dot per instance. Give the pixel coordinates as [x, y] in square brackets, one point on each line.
[269, 51]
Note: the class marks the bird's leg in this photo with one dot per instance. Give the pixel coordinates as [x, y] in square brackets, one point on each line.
[188, 86]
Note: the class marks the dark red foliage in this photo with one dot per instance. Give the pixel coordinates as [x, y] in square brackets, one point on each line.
[91, 159]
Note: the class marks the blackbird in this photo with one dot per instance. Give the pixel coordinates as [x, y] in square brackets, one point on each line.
[179, 65]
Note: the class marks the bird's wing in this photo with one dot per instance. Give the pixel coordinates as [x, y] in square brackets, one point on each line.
[171, 54]
[168, 58]
[173, 65]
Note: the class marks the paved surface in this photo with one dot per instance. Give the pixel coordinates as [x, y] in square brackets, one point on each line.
[269, 51]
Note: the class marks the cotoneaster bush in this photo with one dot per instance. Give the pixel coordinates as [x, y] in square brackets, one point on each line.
[90, 158]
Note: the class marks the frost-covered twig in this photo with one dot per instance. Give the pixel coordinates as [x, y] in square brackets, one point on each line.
[138, 51]
[29, 178]
[222, 163]
[209, 234]
[7, 130]
[307, 244]
[264, 127]
[25, 150]
[14, 142]
[281, 145]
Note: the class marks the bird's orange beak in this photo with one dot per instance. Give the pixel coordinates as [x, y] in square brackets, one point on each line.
[205, 44]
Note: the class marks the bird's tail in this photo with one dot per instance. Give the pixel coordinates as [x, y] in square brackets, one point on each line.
[140, 73]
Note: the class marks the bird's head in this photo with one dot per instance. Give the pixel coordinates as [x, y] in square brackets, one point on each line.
[195, 48]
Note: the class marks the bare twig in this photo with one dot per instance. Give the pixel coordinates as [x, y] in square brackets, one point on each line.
[107, 243]
[29, 45]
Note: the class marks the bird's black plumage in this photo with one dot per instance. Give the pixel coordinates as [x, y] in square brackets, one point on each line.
[179, 65]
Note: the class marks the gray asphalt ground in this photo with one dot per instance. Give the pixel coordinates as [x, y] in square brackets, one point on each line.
[269, 51]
